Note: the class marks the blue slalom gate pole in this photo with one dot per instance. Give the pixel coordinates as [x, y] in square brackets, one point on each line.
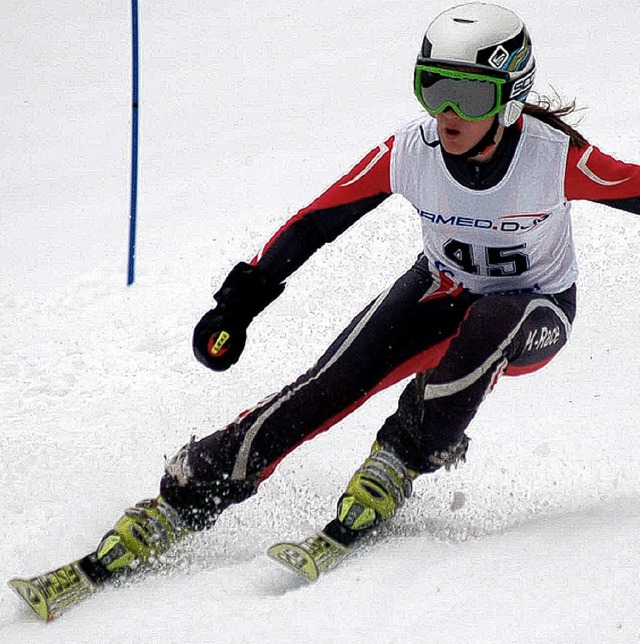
[134, 143]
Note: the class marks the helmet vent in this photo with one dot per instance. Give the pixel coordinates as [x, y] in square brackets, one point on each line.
[464, 21]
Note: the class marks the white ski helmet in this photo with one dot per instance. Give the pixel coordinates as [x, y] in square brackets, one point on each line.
[485, 45]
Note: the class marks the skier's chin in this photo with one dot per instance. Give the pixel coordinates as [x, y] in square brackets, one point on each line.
[456, 141]
[457, 135]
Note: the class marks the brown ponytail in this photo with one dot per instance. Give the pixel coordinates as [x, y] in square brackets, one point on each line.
[552, 112]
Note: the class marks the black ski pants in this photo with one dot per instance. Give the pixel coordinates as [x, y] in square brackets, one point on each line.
[458, 343]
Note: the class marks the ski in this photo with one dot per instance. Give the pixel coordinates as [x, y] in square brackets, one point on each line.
[315, 555]
[50, 594]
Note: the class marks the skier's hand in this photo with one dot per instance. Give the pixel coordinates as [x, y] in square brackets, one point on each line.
[218, 341]
[220, 336]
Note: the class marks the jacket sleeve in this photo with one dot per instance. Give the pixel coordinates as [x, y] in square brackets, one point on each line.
[362, 189]
[595, 176]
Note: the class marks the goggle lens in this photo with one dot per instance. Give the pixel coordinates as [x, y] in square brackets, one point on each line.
[472, 96]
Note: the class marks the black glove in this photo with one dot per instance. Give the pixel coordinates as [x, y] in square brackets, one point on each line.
[220, 336]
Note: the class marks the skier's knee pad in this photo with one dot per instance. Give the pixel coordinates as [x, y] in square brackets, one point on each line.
[200, 502]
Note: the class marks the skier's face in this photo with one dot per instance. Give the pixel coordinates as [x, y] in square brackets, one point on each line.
[457, 135]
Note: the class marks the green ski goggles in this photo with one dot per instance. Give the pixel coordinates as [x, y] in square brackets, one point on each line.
[472, 96]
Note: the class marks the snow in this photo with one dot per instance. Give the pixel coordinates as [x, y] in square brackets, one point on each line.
[249, 109]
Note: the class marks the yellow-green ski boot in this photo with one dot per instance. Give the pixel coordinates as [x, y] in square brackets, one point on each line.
[375, 492]
[143, 534]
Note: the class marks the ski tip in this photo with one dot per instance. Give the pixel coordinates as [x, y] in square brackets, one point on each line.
[33, 596]
[295, 558]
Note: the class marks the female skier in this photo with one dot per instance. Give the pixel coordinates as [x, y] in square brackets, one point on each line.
[491, 177]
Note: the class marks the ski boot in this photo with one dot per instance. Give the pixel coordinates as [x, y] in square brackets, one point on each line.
[376, 491]
[142, 535]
